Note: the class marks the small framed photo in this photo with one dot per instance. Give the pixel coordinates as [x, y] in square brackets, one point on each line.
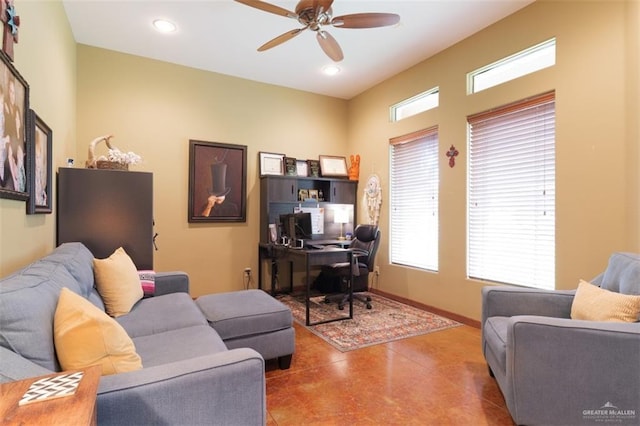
[39, 142]
[313, 194]
[217, 182]
[301, 168]
[313, 168]
[13, 147]
[333, 166]
[271, 164]
[290, 166]
[303, 194]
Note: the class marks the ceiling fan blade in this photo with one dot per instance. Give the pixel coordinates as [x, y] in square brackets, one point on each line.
[280, 39]
[268, 7]
[329, 45]
[365, 20]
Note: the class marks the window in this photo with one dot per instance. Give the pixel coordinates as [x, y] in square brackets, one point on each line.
[511, 194]
[522, 63]
[414, 199]
[415, 105]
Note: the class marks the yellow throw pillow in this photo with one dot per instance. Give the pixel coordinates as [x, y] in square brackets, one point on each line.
[85, 336]
[596, 304]
[117, 282]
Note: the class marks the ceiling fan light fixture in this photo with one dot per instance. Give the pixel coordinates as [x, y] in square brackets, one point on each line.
[331, 70]
[164, 26]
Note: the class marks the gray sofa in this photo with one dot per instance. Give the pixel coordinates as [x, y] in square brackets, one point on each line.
[189, 376]
[553, 370]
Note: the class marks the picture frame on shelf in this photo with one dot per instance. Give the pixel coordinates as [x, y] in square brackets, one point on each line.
[313, 194]
[271, 164]
[39, 168]
[302, 169]
[13, 153]
[290, 166]
[217, 182]
[303, 194]
[333, 166]
[313, 168]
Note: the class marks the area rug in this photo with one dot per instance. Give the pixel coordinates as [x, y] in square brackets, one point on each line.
[387, 321]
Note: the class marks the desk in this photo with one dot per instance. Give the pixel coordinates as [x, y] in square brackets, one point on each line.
[315, 257]
[77, 409]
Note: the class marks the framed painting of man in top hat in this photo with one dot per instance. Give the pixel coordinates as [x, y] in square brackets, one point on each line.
[217, 182]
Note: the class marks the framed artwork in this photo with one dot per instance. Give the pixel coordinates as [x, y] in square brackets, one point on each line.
[313, 168]
[302, 168]
[271, 164]
[290, 166]
[313, 194]
[332, 166]
[13, 141]
[303, 194]
[39, 145]
[217, 182]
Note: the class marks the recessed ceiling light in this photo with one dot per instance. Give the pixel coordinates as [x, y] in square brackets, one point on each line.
[164, 26]
[331, 69]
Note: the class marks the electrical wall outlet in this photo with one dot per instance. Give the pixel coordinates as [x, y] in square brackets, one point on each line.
[376, 269]
[247, 271]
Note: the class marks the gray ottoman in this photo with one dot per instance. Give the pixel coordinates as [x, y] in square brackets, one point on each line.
[252, 319]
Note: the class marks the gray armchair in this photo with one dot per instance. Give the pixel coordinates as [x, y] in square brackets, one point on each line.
[553, 370]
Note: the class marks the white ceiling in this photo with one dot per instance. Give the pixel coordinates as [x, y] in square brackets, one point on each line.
[222, 36]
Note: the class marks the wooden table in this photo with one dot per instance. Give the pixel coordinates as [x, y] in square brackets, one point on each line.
[77, 409]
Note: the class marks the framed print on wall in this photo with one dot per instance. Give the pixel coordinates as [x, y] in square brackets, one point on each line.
[13, 141]
[271, 164]
[39, 145]
[217, 182]
[332, 166]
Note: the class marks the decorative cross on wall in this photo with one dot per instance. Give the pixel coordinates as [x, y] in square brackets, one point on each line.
[11, 23]
[452, 154]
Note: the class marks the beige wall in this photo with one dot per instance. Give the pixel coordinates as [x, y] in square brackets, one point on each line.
[596, 140]
[154, 108]
[46, 58]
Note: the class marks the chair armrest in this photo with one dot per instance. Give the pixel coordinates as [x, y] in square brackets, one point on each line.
[581, 364]
[222, 388]
[508, 301]
[171, 282]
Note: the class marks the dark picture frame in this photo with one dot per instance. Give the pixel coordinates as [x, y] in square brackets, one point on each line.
[333, 166]
[13, 141]
[217, 171]
[39, 169]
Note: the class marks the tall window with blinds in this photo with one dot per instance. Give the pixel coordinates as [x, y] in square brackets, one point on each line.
[511, 194]
[414, 199]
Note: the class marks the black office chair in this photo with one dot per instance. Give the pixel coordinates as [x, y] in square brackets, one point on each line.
[366, 239]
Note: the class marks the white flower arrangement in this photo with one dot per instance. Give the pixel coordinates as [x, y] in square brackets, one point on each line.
[124, 157]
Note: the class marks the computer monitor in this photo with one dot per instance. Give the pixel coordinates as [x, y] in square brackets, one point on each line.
[296, 226]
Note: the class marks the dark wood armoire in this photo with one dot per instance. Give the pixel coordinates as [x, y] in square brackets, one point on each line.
[107, 209]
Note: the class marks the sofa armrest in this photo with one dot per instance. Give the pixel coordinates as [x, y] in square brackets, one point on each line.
[220, 389]
[508, 301]
[171, 282]
[583, 365]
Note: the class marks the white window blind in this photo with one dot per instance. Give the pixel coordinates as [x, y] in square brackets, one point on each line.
[414, 199]
[511, 194]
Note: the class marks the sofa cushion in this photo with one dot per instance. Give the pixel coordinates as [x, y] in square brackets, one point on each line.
[495, 334]
[177, 345]
[162, 313]
[117, 282]
[596, 304]
[84, 336]
[244, 313]
[28, 301]
[622, 274]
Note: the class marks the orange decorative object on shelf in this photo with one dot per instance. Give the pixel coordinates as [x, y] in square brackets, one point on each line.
[354, 168]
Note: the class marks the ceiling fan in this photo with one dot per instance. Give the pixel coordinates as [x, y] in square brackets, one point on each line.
[313, 15]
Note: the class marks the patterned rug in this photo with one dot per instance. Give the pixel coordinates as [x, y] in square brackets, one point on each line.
[387, 321]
